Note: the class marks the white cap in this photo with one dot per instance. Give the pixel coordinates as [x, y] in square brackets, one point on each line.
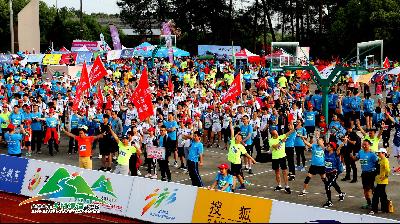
[382, 150]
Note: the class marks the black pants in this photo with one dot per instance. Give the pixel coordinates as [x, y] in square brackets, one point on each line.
[37, 138]
[331, 182]
[300, 152]
[380, 194]
[73, 144]
[386, 138]
[52, 145]
[264, 138]
[290, 160]
[350, 165]
[132, 164]
[164, 168]
[193, 168]
[257, 144]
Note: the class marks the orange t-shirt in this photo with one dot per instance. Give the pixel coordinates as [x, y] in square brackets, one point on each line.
[85, 145]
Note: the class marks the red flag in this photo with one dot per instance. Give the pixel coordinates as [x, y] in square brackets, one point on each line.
[170, 85]
[234, 90]
[83, 85]
[97, 72]
[262, 83]
[141, 97]
[100, 99]
[386, 63]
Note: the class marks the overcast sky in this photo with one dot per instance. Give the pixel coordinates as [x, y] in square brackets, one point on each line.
[89, 6]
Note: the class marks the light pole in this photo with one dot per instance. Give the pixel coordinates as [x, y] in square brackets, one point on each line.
[11, 26]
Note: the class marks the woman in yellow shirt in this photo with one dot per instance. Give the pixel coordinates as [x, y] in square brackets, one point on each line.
[381, 180]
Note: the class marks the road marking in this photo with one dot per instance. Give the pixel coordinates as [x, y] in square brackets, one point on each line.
[16, 217]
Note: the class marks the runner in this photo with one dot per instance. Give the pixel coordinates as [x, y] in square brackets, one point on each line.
[223, 180]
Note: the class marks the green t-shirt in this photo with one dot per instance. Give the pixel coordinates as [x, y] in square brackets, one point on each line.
[374, 141]
[125, 153]
[282, 81]
[5, 119]
[235, 151]
[279, 152]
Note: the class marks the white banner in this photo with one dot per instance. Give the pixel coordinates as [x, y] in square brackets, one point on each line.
[113, 55]
[307, 214]
[41, 173]
[114, 189]
[217, 49]
[158, 201]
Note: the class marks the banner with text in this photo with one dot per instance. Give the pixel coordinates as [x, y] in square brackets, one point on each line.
[52, 59]
[217, 49]
[155, 152]
[160, 201]
[83, 56]
[12, 172]
[216, 206]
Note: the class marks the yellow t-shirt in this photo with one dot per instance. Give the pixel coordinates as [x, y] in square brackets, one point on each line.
[229, 78]
[282, 81]
[124, 154]
[279, 152]
[384, 171]
[235, 151]
[374, 141]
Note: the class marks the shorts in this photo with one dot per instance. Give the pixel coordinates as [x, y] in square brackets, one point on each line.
[181, 152]
[314, 170]
[249, 149]
[379, 96]
[122, 169]
[310, 129]
[105, 148]
[368, 180]
[276, 163]
[396, 150]
[208, 129]
[27, 143]
[367, 114]
[236, 169]
[227, 134]
[85, 162]
[174, 145]
[216, 128]
[355, 115]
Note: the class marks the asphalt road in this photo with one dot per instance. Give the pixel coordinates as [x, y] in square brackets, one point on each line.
[261, 183]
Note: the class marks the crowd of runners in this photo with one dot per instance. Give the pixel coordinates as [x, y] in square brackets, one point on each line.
[276, 112]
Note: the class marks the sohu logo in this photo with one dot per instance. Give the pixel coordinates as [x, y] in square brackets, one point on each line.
[158, 198]
[64, 185]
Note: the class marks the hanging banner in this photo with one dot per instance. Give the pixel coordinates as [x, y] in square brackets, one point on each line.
[217, 49]
[68, 58]
[5, 58]
[52, 59]
[113, 55]
[12, 172]
[83, 56]
[115, 37]
[127, 53]
[114, 189]
[216, 207]
[35, 58]
[160, 201]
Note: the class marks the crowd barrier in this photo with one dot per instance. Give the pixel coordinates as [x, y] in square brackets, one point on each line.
[156, 201]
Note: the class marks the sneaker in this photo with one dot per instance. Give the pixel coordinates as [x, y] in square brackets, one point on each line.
[154, 176]
[302, 194]
[302, 169]
[278, 188]
[108, 169]
[176, 164]
[345, 179]
[163, 179]
[371, 212]
[292, 178]
[101, 169]
[353, 181]
[139, 173]
[69, 153]
[147, 175]
[39, 152]
[242, 188]
[251, 171]
[341, 196]
[287, 190]
[328, 204]
[246, 168]
[218, 146]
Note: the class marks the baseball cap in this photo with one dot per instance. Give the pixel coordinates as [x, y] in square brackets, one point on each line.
[382, 150]
[188, 121]
[223, 166]
[124, 137]
[333, 144]
[11, 127]
[151, 129]
[51, 110]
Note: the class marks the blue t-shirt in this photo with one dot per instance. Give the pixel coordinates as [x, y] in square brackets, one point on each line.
[14, 143]
[355, 103]
[332, 99]
[298, 140]
[318, 156]
[195, 150]
[331, 161]
[171, 124]
[36, 125]
[51, 122]
[309, 118]
[396, 137]
[369, 105]
[74, 121]
[316, 101]
[223, 180]
[246, 130]
[346, 104]
[16, 119]
[290, 140]
[368, 160]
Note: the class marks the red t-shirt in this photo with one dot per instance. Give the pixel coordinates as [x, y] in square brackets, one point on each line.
[85, 145]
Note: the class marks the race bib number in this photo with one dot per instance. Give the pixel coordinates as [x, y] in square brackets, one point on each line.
[363, 162]
[82, 148]
[328, 165]
[122, 153]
